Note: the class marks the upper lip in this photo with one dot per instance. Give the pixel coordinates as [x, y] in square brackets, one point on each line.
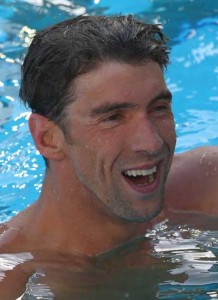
[144, 166]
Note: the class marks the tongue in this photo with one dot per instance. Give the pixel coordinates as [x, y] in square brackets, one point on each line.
[138, 180]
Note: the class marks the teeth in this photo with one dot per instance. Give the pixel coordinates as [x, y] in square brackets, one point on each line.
[145, 172]
[150, 178]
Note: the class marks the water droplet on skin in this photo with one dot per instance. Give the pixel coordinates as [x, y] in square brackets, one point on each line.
[202, 158]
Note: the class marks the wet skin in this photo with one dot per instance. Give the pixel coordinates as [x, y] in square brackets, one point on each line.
[129, 269]
[122, 120]
[75, 277]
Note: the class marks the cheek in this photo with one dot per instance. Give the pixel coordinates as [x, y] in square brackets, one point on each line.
[167, 131]
[96, 148]
[107, 141]
[90, 149]
[107, 148]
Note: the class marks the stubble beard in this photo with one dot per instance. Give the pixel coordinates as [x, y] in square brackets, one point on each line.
[122, 209]
[116, 204]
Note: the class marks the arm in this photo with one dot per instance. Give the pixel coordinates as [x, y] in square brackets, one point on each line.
[193, 181]
[13, 283]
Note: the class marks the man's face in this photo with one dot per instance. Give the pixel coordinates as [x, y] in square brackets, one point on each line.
[121, 138]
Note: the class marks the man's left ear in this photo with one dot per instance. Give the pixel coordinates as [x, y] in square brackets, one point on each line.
[48, 137]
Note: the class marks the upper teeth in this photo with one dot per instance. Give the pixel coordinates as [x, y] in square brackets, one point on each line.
[140, 172]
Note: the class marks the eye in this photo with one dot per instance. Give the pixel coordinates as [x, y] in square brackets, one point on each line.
[162, 108]
[113, 117]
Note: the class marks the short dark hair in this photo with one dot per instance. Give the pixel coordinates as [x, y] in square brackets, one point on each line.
[61, 52]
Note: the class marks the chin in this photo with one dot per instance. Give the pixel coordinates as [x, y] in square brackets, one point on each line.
[140, 215]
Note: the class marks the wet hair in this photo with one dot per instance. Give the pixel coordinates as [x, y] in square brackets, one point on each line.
[58, 54]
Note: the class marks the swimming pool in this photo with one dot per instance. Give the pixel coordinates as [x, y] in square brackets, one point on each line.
[192, 77]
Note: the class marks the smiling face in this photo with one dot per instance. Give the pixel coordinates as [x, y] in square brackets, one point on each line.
[121, 138]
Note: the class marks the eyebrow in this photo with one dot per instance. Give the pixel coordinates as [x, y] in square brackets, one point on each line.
[165, 94]
[109, 107]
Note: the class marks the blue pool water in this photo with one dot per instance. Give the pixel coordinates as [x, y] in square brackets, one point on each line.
[192, 26]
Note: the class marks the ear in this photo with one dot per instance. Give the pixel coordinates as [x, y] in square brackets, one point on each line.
[48, 137]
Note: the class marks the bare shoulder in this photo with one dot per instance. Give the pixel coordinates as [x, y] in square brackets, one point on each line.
[193, 181]
[13, 233]
[203, 158]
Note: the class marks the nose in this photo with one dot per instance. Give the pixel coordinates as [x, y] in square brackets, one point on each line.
[145, 136]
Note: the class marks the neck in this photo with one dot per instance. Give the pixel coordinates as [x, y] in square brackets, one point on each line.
[79, 225]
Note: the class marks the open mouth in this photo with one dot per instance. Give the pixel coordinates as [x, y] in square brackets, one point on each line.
[142, 180]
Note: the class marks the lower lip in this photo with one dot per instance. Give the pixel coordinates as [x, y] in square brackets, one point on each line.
[146, 189]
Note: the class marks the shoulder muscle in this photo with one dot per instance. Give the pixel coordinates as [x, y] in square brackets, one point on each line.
[193, 181]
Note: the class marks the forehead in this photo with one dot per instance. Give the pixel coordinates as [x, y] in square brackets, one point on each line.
[115, 81]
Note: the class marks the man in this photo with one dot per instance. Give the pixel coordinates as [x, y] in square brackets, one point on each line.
[102, 119]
